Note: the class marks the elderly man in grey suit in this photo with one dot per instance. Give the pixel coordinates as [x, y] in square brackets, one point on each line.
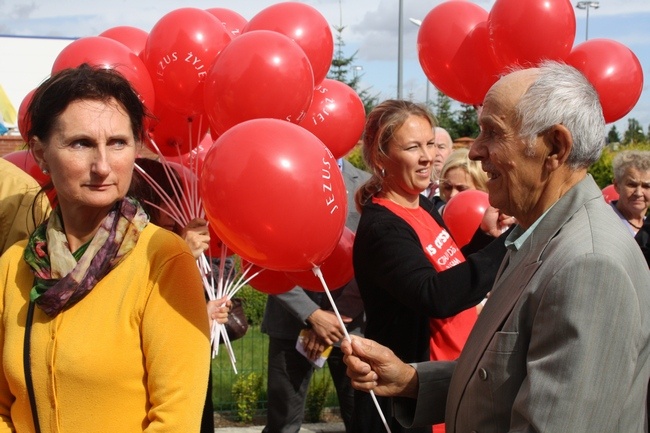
[562, 344]
[289, 373]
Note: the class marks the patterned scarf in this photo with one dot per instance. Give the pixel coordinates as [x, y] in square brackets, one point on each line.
[62, 278]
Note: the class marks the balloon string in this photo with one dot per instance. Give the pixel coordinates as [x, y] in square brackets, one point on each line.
[182, 215]
[316, 270]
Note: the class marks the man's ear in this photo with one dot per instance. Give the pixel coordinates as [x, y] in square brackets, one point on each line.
[560, 143]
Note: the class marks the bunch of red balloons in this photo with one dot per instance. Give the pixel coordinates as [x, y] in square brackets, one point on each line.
[463, 50]
[246, 106]
[212, 69]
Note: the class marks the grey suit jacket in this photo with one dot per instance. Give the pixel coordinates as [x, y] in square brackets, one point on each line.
[562, 344]
[286, 314]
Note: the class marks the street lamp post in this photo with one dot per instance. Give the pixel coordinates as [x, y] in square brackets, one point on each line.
[400, 48]
[419, 23]
[355, 71]
[587, 5]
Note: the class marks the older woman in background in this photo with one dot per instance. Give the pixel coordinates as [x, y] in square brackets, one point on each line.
[104, 326]
[632, 183]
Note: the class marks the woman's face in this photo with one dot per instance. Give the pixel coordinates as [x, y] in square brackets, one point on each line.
[456, 180]
[409, 158]
[634, 192]
[89, 155]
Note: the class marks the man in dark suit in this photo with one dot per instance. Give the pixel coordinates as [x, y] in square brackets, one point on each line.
[287, 314]
[563, 342]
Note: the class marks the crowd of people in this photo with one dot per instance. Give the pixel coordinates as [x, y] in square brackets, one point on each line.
[104, 312]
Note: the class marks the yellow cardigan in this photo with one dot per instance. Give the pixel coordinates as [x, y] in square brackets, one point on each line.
[132, 356]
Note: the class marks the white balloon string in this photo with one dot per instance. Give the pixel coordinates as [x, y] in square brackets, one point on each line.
[191, 186]
[194, 162]
[176, 187]
[317, 271]
[182, 191]
[182, 215]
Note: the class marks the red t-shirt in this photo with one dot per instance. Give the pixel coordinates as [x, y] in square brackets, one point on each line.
[448, 336]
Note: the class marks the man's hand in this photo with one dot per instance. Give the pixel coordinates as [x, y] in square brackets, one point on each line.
[326, 326]
[313, 344]
[373, 367]
[495, 222]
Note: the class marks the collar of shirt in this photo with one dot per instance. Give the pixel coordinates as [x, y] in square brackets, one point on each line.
[518, 235]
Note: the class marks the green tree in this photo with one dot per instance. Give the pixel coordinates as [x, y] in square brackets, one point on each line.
[613, 136]
[601, 170]
[442, 111]
[342, 67]
[466, 121]
[634, 132]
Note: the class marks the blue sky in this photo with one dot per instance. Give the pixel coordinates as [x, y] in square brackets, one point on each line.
[371, 31]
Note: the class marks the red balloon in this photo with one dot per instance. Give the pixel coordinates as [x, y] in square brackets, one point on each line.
[109, 54]
[261, 74]
[306, 26]
[231, 20]
[463, 214]
[216, 245]
[132, 37]
[266, 280]
[610, 194]
[455, 53]
[337, 269]
[614, 71]
[274, 194]
[24, 160]
[336, 116]
[179, 52]
[24, 122]
[527, 32]
[193, 159]
[175, 134]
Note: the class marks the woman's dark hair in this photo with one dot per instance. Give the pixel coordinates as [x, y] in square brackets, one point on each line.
[54, 95]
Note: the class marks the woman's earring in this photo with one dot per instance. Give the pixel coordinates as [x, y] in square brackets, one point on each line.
[383, 172]
[45, 171]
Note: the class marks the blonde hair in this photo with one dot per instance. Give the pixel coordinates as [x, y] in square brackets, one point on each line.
[381, 124]
[459, 158]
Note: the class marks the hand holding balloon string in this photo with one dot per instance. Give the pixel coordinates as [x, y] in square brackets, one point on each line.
[316, 270]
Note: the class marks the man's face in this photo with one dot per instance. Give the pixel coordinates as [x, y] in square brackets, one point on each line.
[515, 180]
[443, 149]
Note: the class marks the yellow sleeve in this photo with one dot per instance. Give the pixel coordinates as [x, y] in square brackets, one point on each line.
[6, 397]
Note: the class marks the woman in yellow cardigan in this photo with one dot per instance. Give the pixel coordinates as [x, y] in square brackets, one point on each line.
[104, 326]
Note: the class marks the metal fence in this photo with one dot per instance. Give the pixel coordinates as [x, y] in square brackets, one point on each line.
[251, 357]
